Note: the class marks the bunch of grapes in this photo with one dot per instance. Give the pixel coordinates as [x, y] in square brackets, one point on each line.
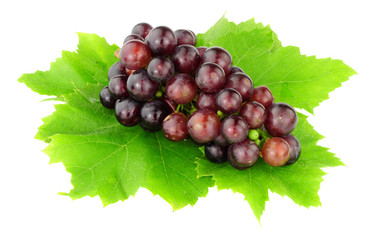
[163, 81]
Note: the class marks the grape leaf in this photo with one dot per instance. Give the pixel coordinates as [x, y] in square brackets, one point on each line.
[299, 181]
[112, 161]
[296, 79]
[103, 157]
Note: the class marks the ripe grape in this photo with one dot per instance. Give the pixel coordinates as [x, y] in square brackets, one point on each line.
[185, 37]
[254, 113]
[220, 140]
[142, 29]
[276, 151]
[243, 155]
[207, 100]
[201, 50]
[135, 54]
[116, 69]
[171, 105]
[228, 100]
[235, 69]
[262, 95]
[194, 37]
[160, 69]
[175, 127]
[140, 86]
[117, 86]
[216, 153]
[210, 77]
[203, 126]
[219, 56]
[161, 41]
[153, 114]
[132, 37]
[234, 129]
[185, 58]
[295, 149]
[107, 99]
[242, 83]
[128, 111]
[181, 88]
[281, 119]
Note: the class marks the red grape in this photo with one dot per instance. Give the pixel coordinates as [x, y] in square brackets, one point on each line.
[219, 56]
[281, 119]
[185, 58]
[181, 88]
[234, 129]
[276, 151]
[142, 29]
[295, 148]
[243, 155]
[254, 113]
[228, 100]
[203, 126]
[135, 54]
[175, 127]
[242, 83]
[262, 95]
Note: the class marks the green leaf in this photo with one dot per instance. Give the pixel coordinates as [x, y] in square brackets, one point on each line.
[299, 181]
[301, 81]
[296, 79]
[104, 157]
[108, 160]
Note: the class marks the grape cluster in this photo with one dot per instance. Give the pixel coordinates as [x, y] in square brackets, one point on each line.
[163, 81]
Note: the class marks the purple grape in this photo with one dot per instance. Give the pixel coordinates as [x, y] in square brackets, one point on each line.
[242, 83]
[194, 37]
[254, 113]
[161, 41]
[185, 37]
[228, 101]
[281, 119]
[140, 86]
[201, 50]
[295, 148]
[153, 114]
[128, 111]
[116, 69]
[207, 100]
[107, 99]
[185, 58]
[220, 140]
[135, 54]
[171, 105]
[235, 69]
[160, 69]
[243, 155]
[276, 151]
[142, 29]
[262, 95]
[219, 56]
[216, 153]
[175, 127]
[234, 129]
[181, 88]
[203, 126]
[210, 77]
[132, 37]
[117, 86]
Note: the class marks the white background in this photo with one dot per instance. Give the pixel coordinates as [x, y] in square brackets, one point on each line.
[33, 33]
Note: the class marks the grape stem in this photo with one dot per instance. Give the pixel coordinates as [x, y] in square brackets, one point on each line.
[264, 134]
